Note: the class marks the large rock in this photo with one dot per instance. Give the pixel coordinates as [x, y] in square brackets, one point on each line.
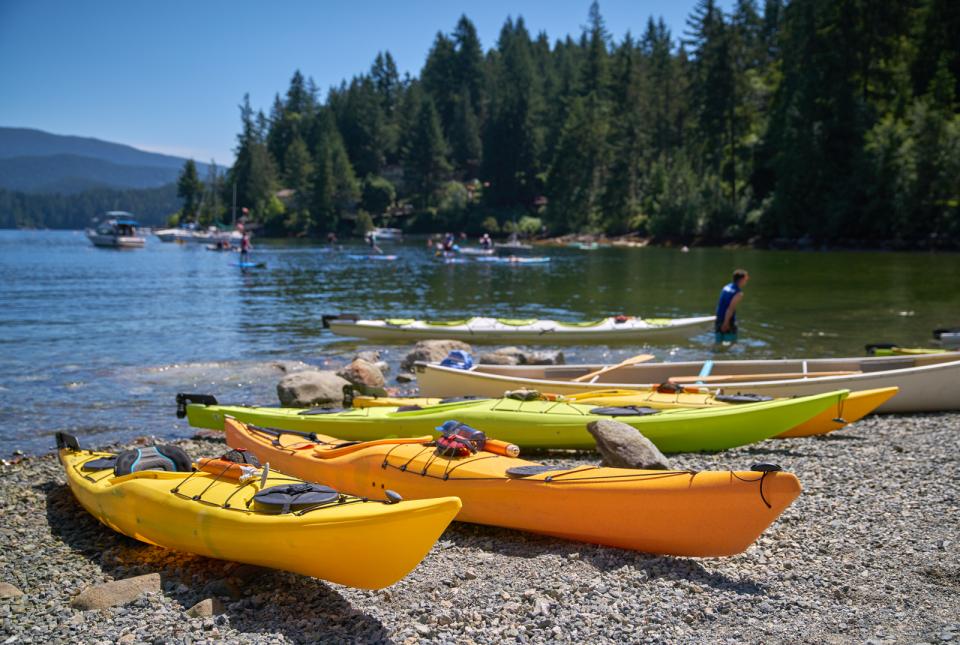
[374, 356]
[311, 388]
[7, 590]
[118, 592]
[206, 608]
[498, 358]
[517, 356]
[432, 351]
[622, 446]
[366, 376]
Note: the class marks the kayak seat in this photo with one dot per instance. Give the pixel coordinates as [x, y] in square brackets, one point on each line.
[293, 497]
[742, 398]
[624, 411]
[399, 322]
[168, 458]
[657, 321]
[589, 323]
[446, 323]
[408, 408]
[519, 472]
[103, 463]
[517, 322]
[460, 399]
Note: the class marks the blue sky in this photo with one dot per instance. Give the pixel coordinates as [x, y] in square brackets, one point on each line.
[167, 75]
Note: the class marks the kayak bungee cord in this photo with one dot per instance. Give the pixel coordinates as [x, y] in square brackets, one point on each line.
[554, 478]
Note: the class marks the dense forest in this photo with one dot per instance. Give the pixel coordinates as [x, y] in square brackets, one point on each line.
[824, 120]
[74, 211]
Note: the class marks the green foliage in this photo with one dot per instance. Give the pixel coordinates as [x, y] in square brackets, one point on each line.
[529, 225]
[828, 119]
[425, 159]
[452, 198]
[378, 195]
[189, 189]
[364, 223]
[490, 224]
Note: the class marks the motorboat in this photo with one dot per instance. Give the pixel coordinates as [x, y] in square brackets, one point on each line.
[119, 230]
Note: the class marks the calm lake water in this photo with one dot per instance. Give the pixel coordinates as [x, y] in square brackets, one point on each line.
[97, 342]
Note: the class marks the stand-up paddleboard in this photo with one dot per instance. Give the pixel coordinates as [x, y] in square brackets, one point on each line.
[512, 259]
[384, 258]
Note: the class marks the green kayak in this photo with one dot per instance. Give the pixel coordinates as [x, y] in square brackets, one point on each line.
[532, 424]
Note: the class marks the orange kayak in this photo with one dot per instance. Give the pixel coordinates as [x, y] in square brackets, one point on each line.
[683, 513]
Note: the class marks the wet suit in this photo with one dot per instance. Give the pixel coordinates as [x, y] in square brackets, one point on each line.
[726, 297]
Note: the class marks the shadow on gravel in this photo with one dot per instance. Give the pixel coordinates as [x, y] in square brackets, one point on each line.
[256, 600]
[604, 559]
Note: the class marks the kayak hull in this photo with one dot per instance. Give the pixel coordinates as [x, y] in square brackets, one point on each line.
[491, 330]
[538, 424]
[928, 383]
[342, 543]
[663, 512]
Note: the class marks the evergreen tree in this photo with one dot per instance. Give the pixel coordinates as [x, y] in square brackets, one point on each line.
[190, 190]
[425, 160]
[298, 177]
[512, 139]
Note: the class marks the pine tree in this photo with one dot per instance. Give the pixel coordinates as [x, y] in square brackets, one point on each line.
[512, 139]
[425, 160]
[190, 190]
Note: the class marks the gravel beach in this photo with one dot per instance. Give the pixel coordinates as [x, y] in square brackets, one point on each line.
[869, 552]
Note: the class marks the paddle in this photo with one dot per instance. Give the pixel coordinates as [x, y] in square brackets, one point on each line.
[592, 376]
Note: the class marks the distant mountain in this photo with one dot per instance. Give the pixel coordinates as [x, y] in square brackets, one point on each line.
[74, 174]
[40, 162]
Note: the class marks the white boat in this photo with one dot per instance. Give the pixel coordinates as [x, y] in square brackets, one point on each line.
[174, 234]
[928, 382]
[476, 250]
[388, 234]
[118, 231]
[498, 330]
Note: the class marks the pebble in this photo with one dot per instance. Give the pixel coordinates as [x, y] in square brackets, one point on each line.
[865, 554]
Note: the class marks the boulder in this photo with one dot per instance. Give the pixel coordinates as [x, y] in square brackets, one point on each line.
[432, 351]
[517, 356]
[497, 358]
[373, 356]
[7, 590]
[311, 388]
[363, 374]
[206, 608]
[118, 592]
[622, 446]
[546, 358]
[370, 355]
[404, 377]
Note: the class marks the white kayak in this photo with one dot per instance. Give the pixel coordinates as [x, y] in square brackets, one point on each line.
[496, 330]
[927, 382]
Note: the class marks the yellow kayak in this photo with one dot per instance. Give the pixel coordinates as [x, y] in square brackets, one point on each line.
[246, 514]
[856, 406]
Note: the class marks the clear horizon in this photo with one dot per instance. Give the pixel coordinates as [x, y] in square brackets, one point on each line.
[168, 78]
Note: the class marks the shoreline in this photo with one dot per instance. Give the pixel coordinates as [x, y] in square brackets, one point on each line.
[868, 552]
[631, 240]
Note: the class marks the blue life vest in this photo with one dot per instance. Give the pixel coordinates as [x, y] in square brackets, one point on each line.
[726, 296]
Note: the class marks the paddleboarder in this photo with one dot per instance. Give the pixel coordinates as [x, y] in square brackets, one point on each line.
[725, 326]
[245, 247]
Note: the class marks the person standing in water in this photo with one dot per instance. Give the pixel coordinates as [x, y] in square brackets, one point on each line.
[245, 247]
[725, 326]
